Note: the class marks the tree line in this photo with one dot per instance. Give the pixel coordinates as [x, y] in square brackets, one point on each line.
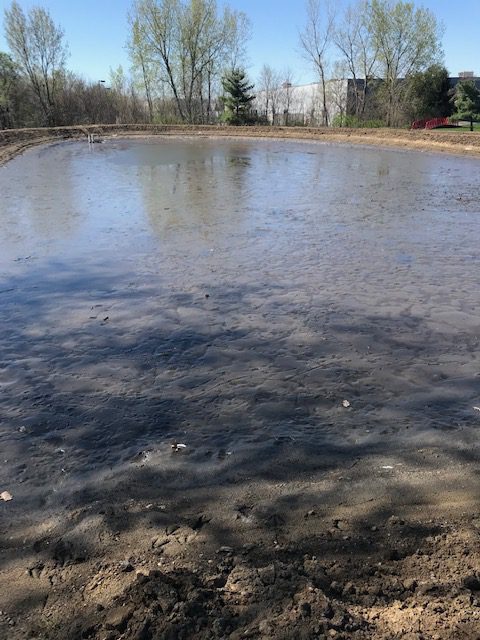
[188, 61]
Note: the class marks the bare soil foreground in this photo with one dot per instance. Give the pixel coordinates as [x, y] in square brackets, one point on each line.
[239, 387]
[15, 141]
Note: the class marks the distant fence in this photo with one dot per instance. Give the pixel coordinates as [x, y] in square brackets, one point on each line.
[433, 123]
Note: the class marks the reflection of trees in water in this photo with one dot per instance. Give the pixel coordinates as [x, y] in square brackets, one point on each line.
[202, 193]
[39, 196]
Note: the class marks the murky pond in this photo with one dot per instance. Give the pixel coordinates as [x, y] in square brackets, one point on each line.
[230, 295]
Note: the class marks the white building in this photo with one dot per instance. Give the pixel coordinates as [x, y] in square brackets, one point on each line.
[303, 104]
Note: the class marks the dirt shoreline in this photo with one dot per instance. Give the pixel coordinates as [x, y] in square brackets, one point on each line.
[15, 141]
[370, 535]
[381, 547]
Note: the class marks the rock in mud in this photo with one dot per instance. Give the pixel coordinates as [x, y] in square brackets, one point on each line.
[117, 618]
[410, 584]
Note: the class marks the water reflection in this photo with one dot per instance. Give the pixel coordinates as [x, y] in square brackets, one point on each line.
[39, 203]
[131, 197]
[197, 195]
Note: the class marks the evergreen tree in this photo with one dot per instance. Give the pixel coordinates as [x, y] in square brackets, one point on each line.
[466, 100]
[237, 97]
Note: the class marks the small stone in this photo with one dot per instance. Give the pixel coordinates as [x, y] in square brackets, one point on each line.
[225, 549]
[126, 566]
[336, 587]
[159, 543]
[118, 618]
[410, 584]
[426, 588]
[171, 528]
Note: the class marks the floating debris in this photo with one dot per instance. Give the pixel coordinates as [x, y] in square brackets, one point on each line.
[6, 496]
[178, 446]
[345, 404]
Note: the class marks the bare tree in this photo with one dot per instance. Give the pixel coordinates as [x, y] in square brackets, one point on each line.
[142, 68]
[157, 32]
[338, 93]
[38, 48]
[354, 40]
[268, 88]
[188, 44]
[315, 41]
[237, 29]
[286, 94]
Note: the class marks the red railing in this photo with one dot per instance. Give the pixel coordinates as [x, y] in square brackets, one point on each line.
[430, 124]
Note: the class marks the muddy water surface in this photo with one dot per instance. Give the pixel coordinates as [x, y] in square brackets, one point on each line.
[231, 295]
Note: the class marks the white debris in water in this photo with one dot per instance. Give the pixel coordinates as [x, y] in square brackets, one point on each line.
[387, 466]
[6, 496]
[346, 404]
[476, 408]
[178, 446]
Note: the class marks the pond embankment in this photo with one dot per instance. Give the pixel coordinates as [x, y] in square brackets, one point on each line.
[15, 141]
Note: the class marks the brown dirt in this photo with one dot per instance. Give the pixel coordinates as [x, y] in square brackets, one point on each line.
[15, 141]
[363, 553]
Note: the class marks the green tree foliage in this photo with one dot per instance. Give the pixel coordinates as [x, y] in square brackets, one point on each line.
[185, 45]
[8, 82]
[466, 100]
[37, 47]
[237, 98]
[429, 94]
[407, 41]
[143, 70]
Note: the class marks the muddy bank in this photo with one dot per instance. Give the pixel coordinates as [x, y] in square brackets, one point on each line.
[15, 141]
[304, 319]
[354, 552]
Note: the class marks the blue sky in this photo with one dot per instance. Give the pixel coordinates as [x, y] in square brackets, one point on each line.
[96, 31]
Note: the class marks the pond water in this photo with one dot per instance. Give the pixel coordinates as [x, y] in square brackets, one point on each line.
[230, 295]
